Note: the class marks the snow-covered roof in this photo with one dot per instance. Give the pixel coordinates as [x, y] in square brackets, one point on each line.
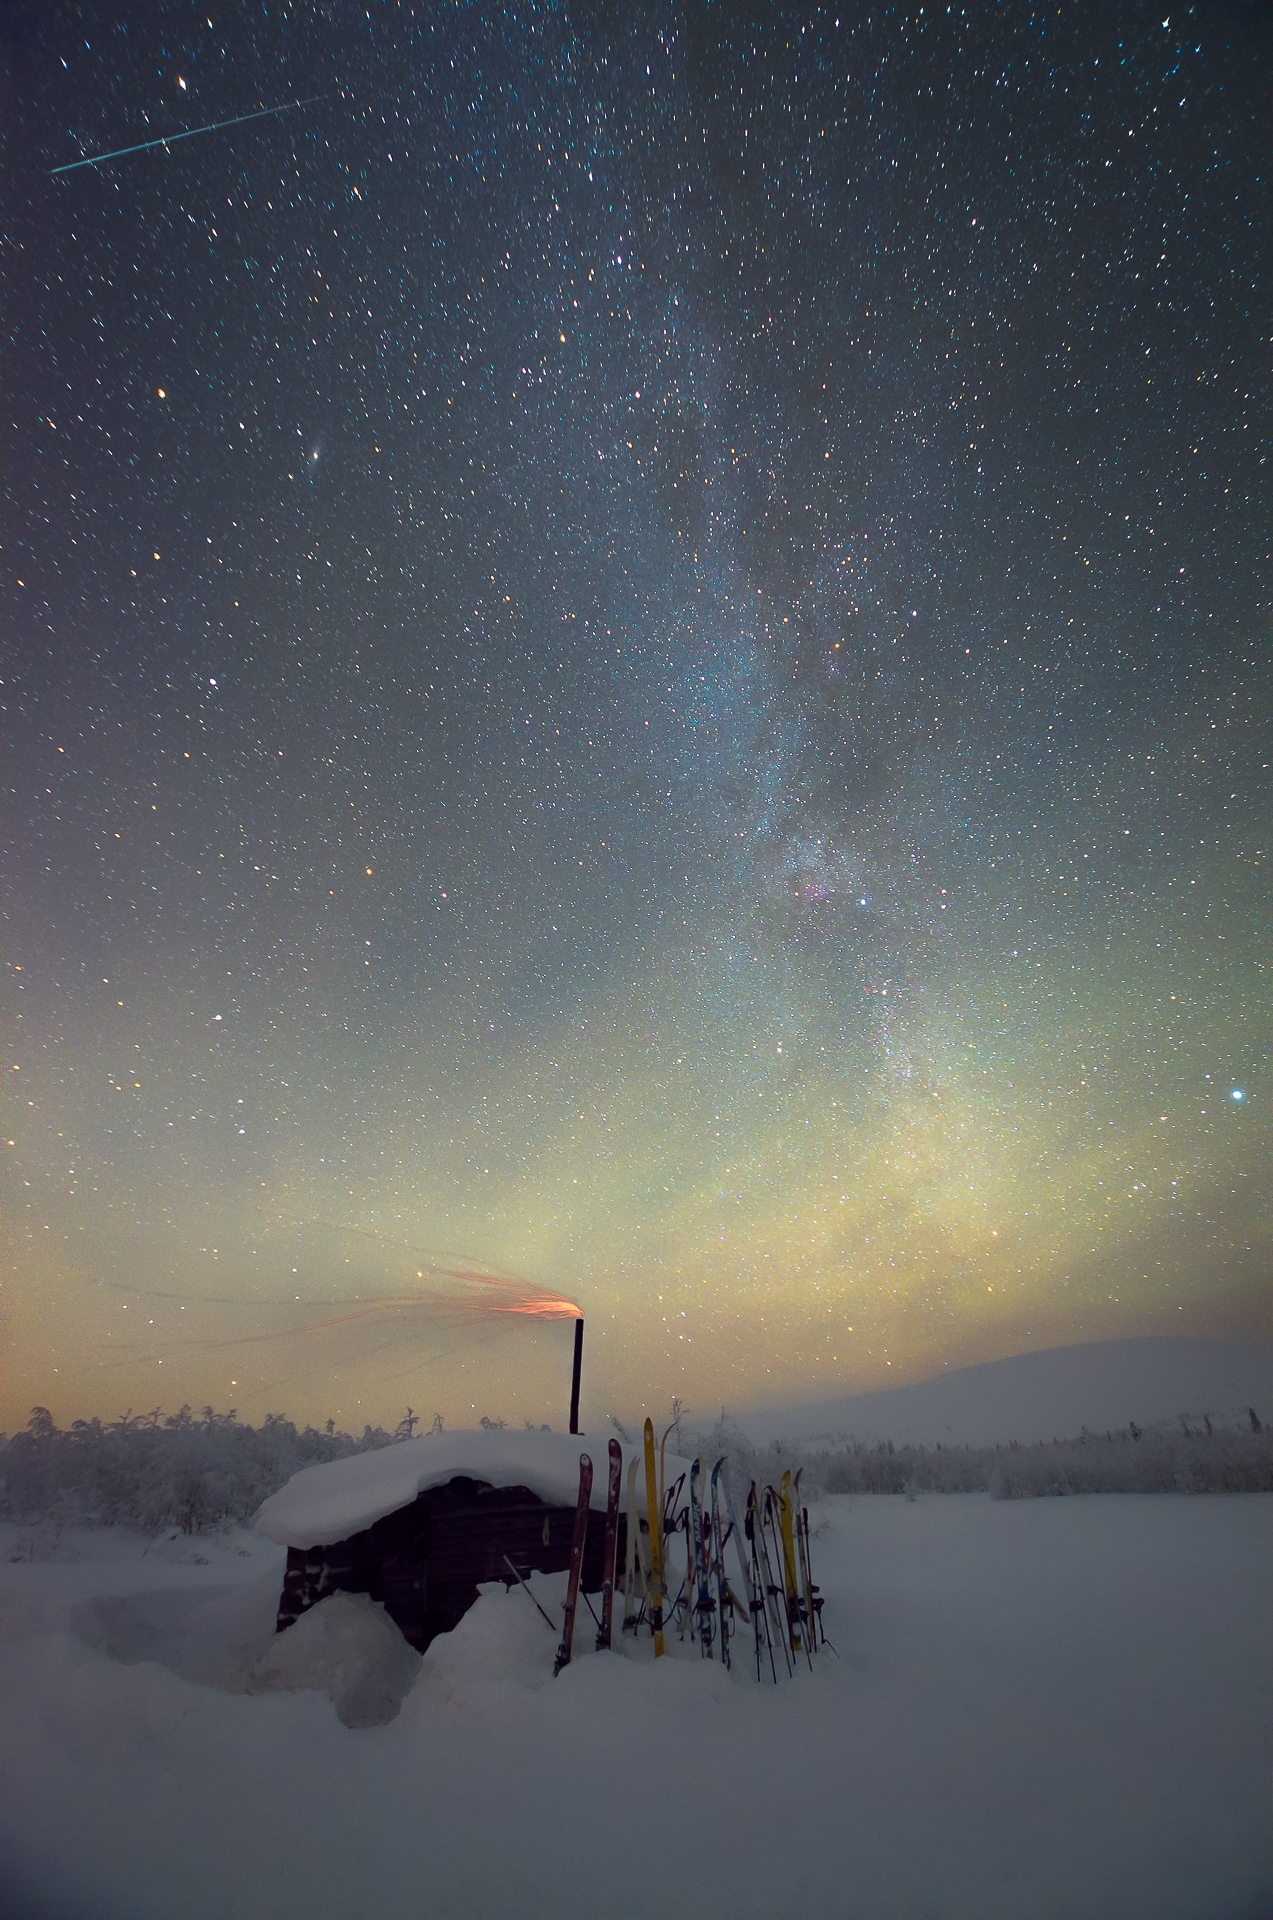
[322, 1504]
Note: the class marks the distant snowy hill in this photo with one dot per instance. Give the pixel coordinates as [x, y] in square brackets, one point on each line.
[1042, 1396]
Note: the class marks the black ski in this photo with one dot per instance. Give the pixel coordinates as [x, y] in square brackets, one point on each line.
[576, 1562]
[608, 1549]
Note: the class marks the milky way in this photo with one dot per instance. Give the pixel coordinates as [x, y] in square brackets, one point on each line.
[635, 650]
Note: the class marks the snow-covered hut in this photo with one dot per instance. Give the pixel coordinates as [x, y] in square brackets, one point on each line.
[418, 1525]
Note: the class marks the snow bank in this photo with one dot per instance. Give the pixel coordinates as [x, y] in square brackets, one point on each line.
[326, 1503]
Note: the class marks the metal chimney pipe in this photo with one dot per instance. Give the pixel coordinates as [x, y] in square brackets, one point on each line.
[574, 1378]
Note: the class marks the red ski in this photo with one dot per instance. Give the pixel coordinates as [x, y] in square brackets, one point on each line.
[604, 1640]
[576, 1562]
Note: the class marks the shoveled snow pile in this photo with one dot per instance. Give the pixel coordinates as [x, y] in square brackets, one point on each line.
[326, 1503]
[348, 1648]
[1040, 1710]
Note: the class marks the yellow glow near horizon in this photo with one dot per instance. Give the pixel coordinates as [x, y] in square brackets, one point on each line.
[756, 1223]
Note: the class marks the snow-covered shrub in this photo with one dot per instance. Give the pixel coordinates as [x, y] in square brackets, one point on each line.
[143, 1470]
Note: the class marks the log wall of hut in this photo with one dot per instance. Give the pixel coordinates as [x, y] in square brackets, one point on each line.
[424, 1562]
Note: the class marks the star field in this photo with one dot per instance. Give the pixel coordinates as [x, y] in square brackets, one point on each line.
[636, 643]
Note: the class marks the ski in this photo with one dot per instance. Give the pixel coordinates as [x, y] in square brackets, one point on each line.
[749, 1580]
[774, 1592]
[683, 1605]
[667, 1432]
[803, 1615]
[609, 1547]
[576, 1562]
[656, 1542]
[787, 1531]
[674, 1523]
[746, 1581]
[703, 1603]
[756, 1588]
[800, 1518]
[725, 1596]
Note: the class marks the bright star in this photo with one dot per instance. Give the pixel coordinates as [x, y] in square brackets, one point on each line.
[1237, 1094]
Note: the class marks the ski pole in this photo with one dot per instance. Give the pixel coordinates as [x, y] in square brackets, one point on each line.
[530, 1596]
[815, 1592]
[806, 1577]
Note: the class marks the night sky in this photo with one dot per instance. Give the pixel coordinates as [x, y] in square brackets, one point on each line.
[635, 647]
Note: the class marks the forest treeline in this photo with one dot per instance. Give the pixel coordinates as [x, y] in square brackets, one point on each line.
[197, 1472]
[1189, 1455]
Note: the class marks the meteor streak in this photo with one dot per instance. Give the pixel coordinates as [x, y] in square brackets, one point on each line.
[167, 140]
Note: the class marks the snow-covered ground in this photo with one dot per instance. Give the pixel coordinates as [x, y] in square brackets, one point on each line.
[1041, 1710]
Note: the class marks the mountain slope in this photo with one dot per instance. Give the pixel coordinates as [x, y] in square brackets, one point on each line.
[1042, 1396]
